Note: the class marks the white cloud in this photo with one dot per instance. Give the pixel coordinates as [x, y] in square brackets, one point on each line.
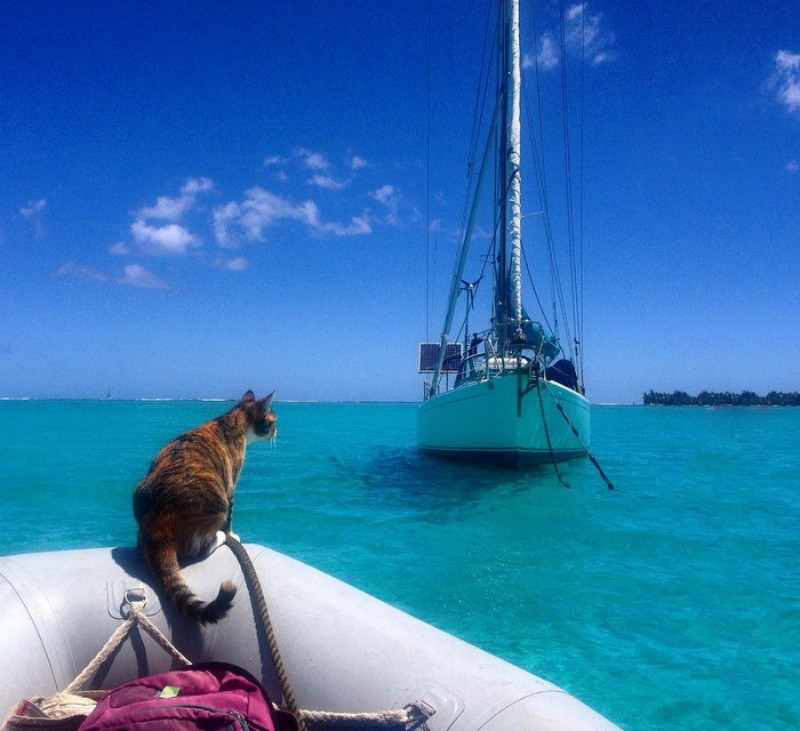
[787, 71]
[197, 185]
[547, 54]
[71, 269]
[172, 209]
[324, 176]
[384, 194]
[120, 248]
[390, 199]
[313, 160]
[277, 163]
[33, 212]
[169, 239]
[135, 275]
[34, 208]
[237, 264]
[310, 216]
[328, 182]
[584, 35]
[224, 216]
[262, 209]
[792, 167]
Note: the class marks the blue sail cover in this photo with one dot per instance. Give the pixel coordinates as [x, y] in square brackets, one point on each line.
[543, 342]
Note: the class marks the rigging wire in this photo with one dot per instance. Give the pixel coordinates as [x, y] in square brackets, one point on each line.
[481, 99]
[540, 168]
[568, 158]
[482, 105]
[575, 239]
[478, 117]
[428, 268]
[582, 107]
[572, 316]
[567, 307]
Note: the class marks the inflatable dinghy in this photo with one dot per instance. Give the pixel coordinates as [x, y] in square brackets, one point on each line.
[343, 650]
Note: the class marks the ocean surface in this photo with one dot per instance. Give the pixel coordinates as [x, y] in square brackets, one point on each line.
[672, 602]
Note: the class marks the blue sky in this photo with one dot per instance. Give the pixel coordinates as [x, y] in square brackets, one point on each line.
[197, 198]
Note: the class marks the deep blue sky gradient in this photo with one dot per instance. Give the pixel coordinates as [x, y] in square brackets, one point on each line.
[197, 199]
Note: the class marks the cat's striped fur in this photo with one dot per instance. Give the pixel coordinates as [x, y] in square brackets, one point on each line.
[186, 497]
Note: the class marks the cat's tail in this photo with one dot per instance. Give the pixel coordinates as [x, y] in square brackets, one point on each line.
[164, 564]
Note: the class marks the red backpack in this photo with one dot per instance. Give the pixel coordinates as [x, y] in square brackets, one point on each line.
[206, 696]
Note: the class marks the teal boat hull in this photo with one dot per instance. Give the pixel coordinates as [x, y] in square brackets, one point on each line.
[506, 420]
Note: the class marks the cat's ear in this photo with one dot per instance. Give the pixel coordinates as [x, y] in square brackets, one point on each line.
[248, 397]
[263, 404]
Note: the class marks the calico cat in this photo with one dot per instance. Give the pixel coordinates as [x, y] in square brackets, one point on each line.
[183, 504]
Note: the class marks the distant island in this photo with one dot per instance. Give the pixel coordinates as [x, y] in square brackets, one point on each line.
[710, 398]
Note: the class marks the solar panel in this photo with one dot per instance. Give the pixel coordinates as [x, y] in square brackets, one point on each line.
[429, 355]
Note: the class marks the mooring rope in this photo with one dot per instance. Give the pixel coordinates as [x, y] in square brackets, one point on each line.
[402, 716]
[262, 613]
[591, 457]
[547, 434]
[409, 714]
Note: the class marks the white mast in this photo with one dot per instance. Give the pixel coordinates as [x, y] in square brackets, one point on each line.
[513, 227]
[513, 157]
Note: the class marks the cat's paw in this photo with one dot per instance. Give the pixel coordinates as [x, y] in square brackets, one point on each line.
[219, 540]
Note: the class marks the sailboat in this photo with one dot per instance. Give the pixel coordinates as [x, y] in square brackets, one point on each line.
[509, 394]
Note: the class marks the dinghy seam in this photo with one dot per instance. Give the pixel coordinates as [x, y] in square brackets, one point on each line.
[520, 700]
[35, 628]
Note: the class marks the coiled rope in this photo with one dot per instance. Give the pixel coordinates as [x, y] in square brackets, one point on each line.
[411, 714]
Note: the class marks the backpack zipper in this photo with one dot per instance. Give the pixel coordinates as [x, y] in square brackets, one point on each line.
[238, 717]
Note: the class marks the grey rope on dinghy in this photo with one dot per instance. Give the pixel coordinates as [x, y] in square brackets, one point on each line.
[66, 709]
[135, 599]
[400, 717]
[411, 714]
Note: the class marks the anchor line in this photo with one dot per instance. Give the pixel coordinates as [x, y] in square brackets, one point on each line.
[547, 431]
[591, 457]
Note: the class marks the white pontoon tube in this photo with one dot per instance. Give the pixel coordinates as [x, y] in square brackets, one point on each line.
[343, 650]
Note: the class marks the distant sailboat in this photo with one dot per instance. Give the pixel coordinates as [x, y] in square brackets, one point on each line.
[515, 397]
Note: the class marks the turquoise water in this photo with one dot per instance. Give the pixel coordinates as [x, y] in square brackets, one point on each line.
[672, 602]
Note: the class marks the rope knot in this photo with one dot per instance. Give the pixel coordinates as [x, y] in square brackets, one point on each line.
[135, 601]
